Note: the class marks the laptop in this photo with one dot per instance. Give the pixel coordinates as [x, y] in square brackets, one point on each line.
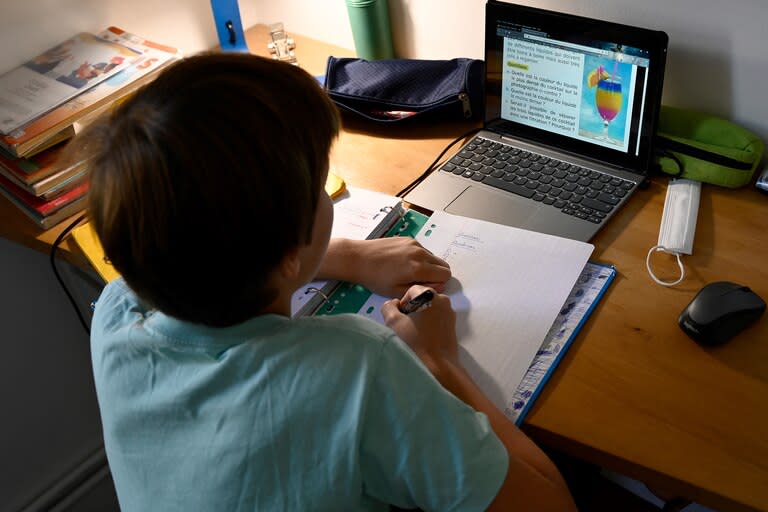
[571, 106]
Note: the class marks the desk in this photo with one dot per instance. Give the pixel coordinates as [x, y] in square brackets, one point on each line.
[633, 393]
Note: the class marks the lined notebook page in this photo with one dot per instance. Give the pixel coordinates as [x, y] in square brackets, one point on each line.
[507, 288]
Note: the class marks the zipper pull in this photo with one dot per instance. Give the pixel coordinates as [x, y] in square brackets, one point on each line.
[464, 98]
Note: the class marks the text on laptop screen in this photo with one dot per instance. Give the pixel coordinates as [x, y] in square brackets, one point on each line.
[592, 90]
[582, 85]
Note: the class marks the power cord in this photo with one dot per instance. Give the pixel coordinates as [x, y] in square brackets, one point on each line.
[52, 259]
[431, 167]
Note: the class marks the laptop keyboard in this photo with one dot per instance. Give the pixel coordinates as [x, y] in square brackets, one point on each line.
[577, 191]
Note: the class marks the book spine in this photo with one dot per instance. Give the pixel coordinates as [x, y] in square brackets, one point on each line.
[14, 179]
[34, 145]
[59, 184]
[38, 205]
[62, 214]
[58, 202]
[30, 169]
[51, 186]
[46, 222]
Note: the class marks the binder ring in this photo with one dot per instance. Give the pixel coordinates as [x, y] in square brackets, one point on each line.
[317, 290]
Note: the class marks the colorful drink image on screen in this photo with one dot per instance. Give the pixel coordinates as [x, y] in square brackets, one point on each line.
[608, 99]
[590, 91]
[604, 102]
[608, 102]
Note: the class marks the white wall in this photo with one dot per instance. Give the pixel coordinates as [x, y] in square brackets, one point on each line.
[718, 52]
[28, 27]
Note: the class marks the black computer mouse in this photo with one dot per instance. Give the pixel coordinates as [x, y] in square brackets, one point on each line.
[720, 311]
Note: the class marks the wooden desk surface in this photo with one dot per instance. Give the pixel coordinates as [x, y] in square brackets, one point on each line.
[633, 393]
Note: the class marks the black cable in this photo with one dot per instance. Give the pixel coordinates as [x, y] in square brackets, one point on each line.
[54, 248]
[431, 167]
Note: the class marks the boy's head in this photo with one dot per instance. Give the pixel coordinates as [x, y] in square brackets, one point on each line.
[206, 178]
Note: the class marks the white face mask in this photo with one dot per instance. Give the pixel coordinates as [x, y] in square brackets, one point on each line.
[678, 224]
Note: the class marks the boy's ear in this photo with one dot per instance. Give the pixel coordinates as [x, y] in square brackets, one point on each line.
[290, 264]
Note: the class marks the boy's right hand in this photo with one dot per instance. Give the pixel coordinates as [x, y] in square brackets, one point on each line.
[430, 332]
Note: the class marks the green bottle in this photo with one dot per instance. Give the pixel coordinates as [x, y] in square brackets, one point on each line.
[370, 29]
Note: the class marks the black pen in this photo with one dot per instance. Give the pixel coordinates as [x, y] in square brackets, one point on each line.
[418, 302]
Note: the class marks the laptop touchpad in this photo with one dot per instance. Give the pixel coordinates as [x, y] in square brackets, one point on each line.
[493, 206]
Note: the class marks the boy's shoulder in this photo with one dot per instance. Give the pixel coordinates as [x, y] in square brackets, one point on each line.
[119, 307]
[346, 332]
[117, 289]
[116, 302]
[351, 324]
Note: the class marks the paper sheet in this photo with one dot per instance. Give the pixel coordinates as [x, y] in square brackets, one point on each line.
[507, 288]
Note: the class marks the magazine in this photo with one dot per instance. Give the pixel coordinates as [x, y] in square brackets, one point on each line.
[58, 75]
[26, 140]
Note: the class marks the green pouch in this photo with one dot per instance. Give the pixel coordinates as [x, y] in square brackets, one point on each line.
[706, 148]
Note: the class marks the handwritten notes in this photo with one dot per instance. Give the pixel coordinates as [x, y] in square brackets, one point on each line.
[507, 289]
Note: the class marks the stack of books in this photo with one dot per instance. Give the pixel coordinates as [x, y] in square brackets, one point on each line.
[47, 100]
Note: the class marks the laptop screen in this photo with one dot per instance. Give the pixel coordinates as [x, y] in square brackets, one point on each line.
[581, 85]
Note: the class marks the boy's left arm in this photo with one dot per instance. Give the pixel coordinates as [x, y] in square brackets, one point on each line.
[386, 266]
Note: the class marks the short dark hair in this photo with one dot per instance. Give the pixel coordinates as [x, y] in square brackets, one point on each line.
[205, 178]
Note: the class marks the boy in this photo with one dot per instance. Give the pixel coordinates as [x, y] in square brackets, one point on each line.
[207, 195]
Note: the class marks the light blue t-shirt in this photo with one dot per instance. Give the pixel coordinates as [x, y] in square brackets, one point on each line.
[318, 413]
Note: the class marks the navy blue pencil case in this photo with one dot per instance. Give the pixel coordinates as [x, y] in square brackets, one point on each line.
[395, 90]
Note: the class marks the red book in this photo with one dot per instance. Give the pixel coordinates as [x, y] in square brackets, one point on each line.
[39, 205]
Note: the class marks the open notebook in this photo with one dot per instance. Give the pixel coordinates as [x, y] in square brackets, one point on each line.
[508, 288]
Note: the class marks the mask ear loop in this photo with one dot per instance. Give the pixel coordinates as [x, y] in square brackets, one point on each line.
[657, 248]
